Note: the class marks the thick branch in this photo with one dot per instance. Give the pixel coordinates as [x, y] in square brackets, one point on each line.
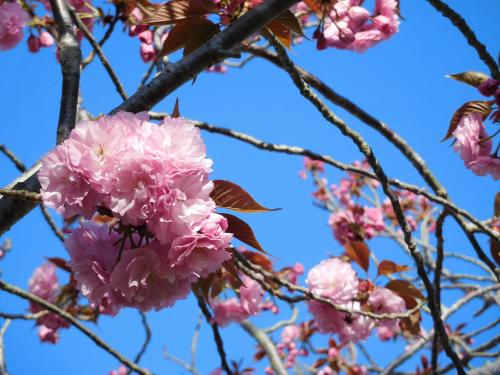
[70, 57]
[215, 50]
[183, 71]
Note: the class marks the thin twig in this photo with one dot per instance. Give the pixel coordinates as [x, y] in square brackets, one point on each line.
[194, 340]
[70, 319]
[147, 339]
[437, 281]
[3, 365]
[267, 345]
[217, 337]
[104, 39]
[35, 316]
[21, 194]
[17, 162]
[257, 273]
[100, 53]
[469, 34]
[283, 323]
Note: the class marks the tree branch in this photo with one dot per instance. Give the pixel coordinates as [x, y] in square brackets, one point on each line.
[100, 53]
[70, 319]
[267, 345]
[366, 150]
[70, 56]
[218, 339]
[467, 32]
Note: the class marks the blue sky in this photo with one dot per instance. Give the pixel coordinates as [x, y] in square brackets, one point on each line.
[401, 81]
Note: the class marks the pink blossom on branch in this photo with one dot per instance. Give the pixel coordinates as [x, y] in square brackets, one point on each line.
[474, 147]
[384, 301]
[356, 223]
[350, 26]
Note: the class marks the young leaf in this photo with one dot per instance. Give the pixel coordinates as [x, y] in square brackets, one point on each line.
[176, 113]
[359, 252]
[471, 78]
[242, 231]
[281, 32]
[495, 250]
[259, 259]
[231, 196]
[180, 10]
[404, 288]
[386, 267]
[482, 107]
[496, 205]
[202, 31]
[288, 20]
[411, 325]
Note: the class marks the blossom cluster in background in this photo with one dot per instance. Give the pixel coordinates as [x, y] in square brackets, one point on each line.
[348, 25]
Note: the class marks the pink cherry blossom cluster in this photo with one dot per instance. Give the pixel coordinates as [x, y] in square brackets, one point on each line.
[236, 310]
[474, 146]
[44, 284]
[13, 18]
[153, 180]
[145, 35]
[348, 25]
[289, 348]
[336, 280]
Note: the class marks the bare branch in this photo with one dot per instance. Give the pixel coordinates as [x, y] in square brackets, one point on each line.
[100, 53]
[267, 345]
[366, 150]
[21, 194]
[17, 162]
[147, 339]
[218, 339]
[3, 365]
[70, 319]
[467, 32]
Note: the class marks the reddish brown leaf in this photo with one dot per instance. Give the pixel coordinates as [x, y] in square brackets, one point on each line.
[228, 195]
[495, 250]
[288, 20]
[202, 32]
[179, 10]
[404, 288]
[359, 252]
[60, 263]
[259, 259]
[176, 113]
[471, 78]
[411, 325]
[281, 32]
[496, 206]
[189, 33]
[482, 107]
[242, 231]
[313, 5]
[410, 302]
[386, 267]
